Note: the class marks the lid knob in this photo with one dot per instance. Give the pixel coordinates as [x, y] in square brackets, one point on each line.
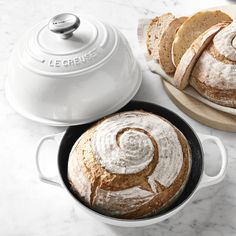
[64, 24]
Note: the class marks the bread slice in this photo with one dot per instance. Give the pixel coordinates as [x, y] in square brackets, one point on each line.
[190, 57]
[154, 32]
[151, 35]
[166, 42]
[192, 28]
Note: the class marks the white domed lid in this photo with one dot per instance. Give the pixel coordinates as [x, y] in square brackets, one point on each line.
[67, 44]
[68, 71]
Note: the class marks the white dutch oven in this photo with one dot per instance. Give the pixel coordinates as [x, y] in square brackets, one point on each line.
[71, 71]
[197, 178]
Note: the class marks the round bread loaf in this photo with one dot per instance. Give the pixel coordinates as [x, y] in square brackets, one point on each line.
[214, 75]
[129, 165]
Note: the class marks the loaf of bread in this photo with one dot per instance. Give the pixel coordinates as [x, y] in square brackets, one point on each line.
[214, 75]
[129, 165]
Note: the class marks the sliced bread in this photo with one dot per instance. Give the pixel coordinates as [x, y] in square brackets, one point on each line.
[190, 57]
[166, 42]
[193, 27]
[154, 32]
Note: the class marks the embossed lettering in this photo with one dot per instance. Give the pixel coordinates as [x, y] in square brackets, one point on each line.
[51, 63]
[71, 62]
[76, 61]
[65, 63]
[57, 63]
[87, 57]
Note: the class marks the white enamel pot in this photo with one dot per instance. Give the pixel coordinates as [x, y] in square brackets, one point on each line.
[197, 178]
[71, 70]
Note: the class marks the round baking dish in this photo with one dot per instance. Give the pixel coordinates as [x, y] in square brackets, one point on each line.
[197, 178]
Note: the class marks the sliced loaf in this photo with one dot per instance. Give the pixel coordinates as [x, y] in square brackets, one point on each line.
[190, 57]
[192, 28]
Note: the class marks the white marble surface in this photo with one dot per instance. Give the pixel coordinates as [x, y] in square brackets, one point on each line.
[30, 207]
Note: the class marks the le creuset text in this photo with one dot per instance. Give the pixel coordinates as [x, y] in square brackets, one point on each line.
[87, 57]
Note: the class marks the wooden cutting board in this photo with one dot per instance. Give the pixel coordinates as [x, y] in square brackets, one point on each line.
[199, 111]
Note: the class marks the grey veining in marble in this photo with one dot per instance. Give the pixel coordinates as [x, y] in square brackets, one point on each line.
[30, 207]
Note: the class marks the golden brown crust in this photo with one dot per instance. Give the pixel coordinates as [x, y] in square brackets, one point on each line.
[220, 96]
[100, 178]
[166, 193]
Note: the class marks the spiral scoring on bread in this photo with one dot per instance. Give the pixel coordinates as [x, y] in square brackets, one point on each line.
[225, 43]
[132, 150]
[215, 71]
[129, 152]
[136, 151]
[121, 147]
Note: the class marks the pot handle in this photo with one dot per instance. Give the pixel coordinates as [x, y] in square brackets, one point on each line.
[207, 180]
[50, 180]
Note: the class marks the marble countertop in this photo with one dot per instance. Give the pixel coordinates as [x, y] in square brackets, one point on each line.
[30, 207]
